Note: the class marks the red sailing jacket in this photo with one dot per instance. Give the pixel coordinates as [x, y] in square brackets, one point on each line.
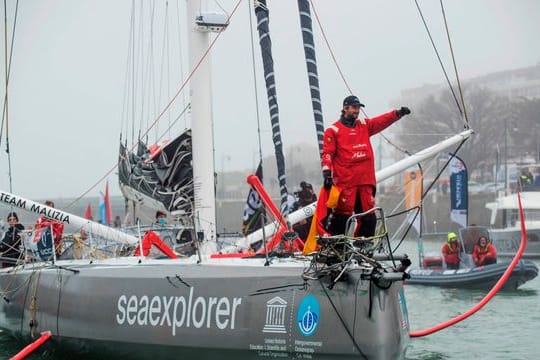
[480, 254]
[57, 229]
[451, 253]
[347, 151]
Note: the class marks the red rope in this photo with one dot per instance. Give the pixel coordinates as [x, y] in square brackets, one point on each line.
[491, 293]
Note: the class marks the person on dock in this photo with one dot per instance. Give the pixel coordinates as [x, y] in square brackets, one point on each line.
[484, 252]
[10, 247]
[451, 251]
[348, 162]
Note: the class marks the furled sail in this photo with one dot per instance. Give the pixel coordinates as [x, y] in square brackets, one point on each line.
[261, 11]
[311, 64]
[161, 175]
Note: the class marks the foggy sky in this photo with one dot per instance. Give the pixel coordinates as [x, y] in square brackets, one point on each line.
[67, 84]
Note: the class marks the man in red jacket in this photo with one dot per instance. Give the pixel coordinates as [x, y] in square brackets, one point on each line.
[348, 162]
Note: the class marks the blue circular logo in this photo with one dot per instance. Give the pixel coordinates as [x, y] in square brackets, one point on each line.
[308, 315]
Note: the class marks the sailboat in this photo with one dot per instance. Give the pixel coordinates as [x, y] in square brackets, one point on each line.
[340, 301]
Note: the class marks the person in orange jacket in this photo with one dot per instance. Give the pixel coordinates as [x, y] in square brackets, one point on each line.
[348, 162]
[451, 251]
[484, 253]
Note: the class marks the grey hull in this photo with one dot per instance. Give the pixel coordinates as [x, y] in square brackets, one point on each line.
[483, 277]
[166, 308]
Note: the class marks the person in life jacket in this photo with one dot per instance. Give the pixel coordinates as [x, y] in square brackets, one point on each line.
[525, 178]
[57, 229]
[484, 252]
[451, 251]
[348, 162]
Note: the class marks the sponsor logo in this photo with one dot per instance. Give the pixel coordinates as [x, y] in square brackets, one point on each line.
[359, 155]
[178, 311]
[308, 315]
[275, 316]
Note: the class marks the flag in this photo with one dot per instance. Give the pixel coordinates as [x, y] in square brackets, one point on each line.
[102, 212]
[328, 199]
[459, 194]
[105, 207]
[43, 244]
[413, 196]
[253, 209]
[88, 213]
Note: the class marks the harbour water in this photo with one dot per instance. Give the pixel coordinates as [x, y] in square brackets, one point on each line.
[506, 328]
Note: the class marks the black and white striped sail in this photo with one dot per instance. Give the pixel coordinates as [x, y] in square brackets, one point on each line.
[261, 11]
[162, 178]
[311, 64]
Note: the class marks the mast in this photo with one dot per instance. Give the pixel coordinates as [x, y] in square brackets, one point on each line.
[201, 124]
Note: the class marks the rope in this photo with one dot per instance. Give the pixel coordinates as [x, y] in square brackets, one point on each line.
[329, 47]
[455, 66]
[9, 66]
[438, 57]
[7, 69]
[203, 57]
[255, 84]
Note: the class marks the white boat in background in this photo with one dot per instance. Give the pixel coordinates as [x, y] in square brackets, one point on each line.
[507, 239]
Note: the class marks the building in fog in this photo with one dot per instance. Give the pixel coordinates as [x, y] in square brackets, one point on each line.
[523, 82]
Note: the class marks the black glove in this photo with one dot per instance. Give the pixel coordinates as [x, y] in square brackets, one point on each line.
[403, 111]
[327, 179]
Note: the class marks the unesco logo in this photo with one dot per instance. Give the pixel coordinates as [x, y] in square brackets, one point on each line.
[308, 315]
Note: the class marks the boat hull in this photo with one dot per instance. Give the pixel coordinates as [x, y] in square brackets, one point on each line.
[173, 307]
[483, 277]
[507, 242]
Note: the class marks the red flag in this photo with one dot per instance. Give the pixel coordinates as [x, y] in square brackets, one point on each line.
[88, 213]
[107, 205]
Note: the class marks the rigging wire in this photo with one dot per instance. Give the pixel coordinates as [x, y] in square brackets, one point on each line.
[345, 80]
[7, 68]
[455, 66]
[181, 61]
[164, 55]
[165, 109]
[329, 47]
[133, 71]
[439, 57]
[125, 100]
[257, 115]
[9, 65]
